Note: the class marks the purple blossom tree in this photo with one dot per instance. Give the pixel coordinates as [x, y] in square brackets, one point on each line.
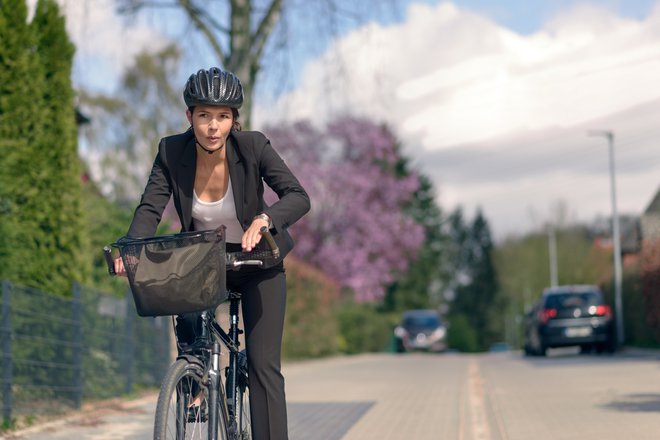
[357, 231]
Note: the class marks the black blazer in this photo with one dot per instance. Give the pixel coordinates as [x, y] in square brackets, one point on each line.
[251, 159]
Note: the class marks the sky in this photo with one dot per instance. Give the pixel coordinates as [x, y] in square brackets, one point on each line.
[493, 100]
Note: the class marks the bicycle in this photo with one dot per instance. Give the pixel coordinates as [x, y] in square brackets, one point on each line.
[193, 402]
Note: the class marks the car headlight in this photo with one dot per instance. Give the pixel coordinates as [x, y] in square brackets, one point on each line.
[439, 333]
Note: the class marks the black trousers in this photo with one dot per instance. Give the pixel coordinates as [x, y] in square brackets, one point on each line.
[263, 303]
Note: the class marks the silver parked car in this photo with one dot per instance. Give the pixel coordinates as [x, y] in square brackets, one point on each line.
[420, 330]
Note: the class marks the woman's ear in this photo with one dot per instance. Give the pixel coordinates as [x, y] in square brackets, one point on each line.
[189, 116]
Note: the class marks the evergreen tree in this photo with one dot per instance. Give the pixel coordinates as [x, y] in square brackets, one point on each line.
[476, 293]
[58, 209]
[422, 284]
[40, 206]
[20, 90]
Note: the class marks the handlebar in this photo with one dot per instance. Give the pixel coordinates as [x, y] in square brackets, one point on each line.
[234, 260]
[107, 253]
[265, 233]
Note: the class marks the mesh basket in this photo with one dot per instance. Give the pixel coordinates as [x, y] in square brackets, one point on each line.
[174, 274]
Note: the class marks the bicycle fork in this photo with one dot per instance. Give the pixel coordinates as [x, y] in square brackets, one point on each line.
[214, 386]
[234, 332]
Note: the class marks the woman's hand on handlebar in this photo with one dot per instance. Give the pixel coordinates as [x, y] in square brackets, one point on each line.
[253, 234]
[120, 270]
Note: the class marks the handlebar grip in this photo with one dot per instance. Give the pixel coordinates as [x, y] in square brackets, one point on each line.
[107, 253]
[271, 241]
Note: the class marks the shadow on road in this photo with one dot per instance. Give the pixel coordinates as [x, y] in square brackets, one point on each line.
[572, 356]
[636, 403]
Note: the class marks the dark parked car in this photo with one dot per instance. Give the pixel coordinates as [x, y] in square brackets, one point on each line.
[569, 316]
[420, 330]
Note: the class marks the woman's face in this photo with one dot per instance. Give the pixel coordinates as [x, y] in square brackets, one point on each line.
[211, 125]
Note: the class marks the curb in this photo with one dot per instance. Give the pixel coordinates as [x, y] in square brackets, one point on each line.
[91, 410]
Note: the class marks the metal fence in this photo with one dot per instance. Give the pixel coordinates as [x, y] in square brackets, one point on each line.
[58, 351]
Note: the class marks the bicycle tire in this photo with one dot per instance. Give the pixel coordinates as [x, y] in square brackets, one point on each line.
[176, 416]
[243, 420]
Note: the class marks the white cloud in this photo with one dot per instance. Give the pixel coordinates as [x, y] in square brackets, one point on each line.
[451, 80]
[105, 42]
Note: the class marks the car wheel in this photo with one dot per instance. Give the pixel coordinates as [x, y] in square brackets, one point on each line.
[543, 349]
[606, 347]
[586, 348]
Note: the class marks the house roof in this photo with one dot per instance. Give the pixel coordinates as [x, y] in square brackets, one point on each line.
[654, 206]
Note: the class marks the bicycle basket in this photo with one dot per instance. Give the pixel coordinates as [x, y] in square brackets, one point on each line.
[174, 274]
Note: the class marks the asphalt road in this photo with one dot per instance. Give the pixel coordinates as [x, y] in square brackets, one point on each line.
[498, 396]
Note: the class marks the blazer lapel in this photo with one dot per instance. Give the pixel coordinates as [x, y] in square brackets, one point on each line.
[186, 182]
[237, 176]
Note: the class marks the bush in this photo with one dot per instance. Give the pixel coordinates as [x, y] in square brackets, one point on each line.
[639, 326]
[363, 328]
[311, 327]
[461, 336]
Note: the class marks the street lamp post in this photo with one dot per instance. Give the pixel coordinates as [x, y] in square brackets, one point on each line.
[616, 237]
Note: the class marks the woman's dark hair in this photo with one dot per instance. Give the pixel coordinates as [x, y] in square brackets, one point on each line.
[236, 126]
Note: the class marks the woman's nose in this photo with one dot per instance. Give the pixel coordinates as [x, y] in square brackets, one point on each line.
[213, 123]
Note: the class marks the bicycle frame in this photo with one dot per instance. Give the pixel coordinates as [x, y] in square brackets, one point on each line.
[231, 340]
[206, 349]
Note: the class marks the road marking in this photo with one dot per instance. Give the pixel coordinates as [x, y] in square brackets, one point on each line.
[477, 403]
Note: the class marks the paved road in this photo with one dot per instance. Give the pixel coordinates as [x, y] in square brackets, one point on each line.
[500, 396]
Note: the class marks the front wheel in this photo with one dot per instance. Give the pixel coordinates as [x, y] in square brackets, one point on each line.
[183, 403]
[241, 423]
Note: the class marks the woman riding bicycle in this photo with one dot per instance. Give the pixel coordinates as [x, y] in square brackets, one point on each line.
[215, 173]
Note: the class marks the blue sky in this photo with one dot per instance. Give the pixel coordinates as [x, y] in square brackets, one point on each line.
[309, 39]
[96, 67]
[526, 16]
[494, 102]
[492, 99]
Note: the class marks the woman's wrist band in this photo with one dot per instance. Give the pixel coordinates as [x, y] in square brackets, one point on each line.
[264, 216]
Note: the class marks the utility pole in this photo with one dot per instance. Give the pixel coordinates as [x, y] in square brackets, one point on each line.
[616, 237]
[552, 254]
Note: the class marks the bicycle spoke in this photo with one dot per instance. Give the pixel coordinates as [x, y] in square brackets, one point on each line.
[182, 410]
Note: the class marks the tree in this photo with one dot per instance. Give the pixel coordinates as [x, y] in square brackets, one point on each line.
[649, 277]
[18, 131]
[40, 179]
[127, 126]
[422, 285]
[358, 231]
[58, 209]
[238, 42]
[476, 287]
[523, 267]
[239, 31]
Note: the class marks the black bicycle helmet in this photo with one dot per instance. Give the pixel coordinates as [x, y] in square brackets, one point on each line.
[213, 87]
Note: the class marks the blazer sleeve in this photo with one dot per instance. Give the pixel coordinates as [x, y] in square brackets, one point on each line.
[153, 202]
[293, 200]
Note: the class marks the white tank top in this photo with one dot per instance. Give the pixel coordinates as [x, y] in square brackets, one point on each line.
[210, 215]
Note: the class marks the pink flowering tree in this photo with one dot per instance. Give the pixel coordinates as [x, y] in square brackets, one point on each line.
[357, 231]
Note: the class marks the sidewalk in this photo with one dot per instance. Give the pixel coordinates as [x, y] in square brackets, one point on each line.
[115, 414]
